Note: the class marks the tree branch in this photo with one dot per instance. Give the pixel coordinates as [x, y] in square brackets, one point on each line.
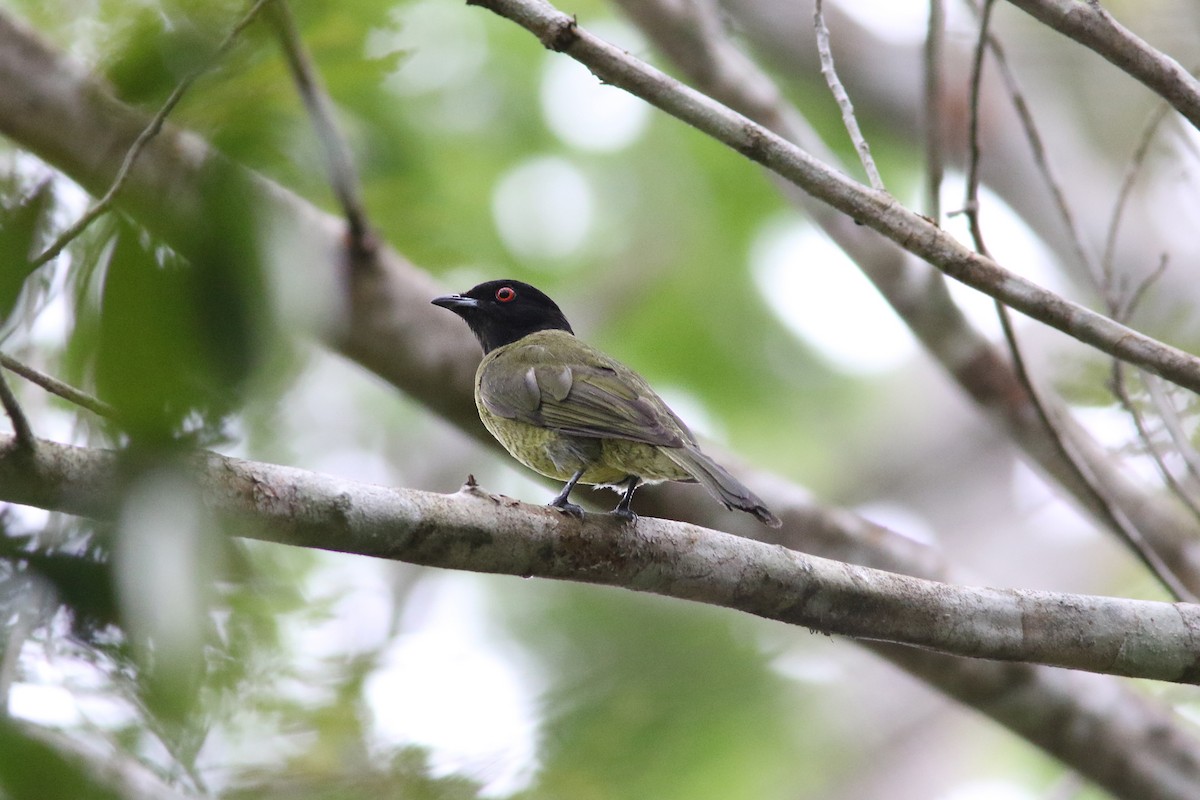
[880, 211]
[476, 531]
[1093, 27]
[57, 387]
[16, 415]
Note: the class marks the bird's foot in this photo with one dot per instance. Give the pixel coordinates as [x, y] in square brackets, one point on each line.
[624, 513]
[571, 509]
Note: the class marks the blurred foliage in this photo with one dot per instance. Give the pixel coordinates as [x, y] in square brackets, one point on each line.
[683, 687]
[639, 697]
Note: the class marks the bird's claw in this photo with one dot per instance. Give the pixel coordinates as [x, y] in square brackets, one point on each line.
[570, 509]
[624, 514]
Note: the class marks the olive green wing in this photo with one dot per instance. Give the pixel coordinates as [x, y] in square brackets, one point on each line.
[590, 395]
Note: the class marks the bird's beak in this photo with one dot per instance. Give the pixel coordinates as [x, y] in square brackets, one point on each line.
[455, 302]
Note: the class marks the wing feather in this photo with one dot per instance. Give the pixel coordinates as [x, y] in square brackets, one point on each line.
[591, 396]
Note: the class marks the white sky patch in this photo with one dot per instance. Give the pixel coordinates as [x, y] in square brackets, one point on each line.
[900, 519]
[585, 113]
[993, 789]
[447, 685]
[1045, 509]
[543, 209]
[897, 20]
[53, 706]
[823, 297]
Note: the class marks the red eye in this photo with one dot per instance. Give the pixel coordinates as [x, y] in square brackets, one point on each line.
[506, 294]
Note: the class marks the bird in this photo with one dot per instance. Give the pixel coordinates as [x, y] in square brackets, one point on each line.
[567, 411]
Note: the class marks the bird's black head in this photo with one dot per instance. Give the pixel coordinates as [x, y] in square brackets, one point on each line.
[501, 312]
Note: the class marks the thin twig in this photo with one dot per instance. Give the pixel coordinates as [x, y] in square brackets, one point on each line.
[102, 205]
[935, 38]
[1120, 389]
[1137, 162]
[1173, 424]
[57, 387]
[20, 422]
[342, 174]
[1115, 516]
[843, 99]
[975, 156]
[1040, 158]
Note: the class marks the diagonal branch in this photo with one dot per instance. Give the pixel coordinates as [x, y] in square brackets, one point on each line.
[473, 530]
[57, 387]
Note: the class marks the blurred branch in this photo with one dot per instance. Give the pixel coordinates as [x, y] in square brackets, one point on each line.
[1093, 27]
[476, 531]
[1121, 307]
[57, 387]
[50, 107]
[1120, 390]
[1174, 425]
[935, 39]
[101, 206]
[342, 173]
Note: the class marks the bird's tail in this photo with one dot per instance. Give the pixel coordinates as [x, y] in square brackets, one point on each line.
[720, 484]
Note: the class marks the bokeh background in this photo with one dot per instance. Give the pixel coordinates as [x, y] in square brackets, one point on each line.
[281, 672]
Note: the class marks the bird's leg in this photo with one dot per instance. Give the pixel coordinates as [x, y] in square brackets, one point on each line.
[623, 510]
[562, 504]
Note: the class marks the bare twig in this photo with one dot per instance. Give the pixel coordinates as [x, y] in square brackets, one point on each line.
[1118, 521]
[1173, 424]
[1120, 389]
[974, 153]
[101, 206]
[342, 173]
[1137, 162]
[843, 99]
[24, 433]
[1041, 159]
[935, 38]
[57, 387]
